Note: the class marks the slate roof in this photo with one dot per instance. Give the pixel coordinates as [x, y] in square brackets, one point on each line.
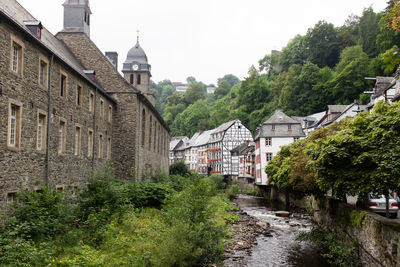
[202, 138]
[280, 118]
[136, 54]
[381, 84]
[18, 14]
[224, 126]
[336, 108]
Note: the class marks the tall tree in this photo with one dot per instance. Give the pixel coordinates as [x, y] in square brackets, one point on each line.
[222, 89]
[295, 52]
[323, 44]
[231, 79]
[194, 92]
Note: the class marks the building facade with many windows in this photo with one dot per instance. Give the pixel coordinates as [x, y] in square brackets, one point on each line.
[60, 118]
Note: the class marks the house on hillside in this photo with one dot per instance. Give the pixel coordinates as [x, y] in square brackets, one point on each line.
[222, 140]
[279, 130]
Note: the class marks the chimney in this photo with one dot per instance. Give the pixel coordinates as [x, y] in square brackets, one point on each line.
[91, 74]
[113, 58]
[35, 27]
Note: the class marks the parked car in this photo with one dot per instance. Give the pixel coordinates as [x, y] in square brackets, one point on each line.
[377, 203]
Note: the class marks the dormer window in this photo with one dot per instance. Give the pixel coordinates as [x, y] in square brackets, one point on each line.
[289, 127]
[35, 27]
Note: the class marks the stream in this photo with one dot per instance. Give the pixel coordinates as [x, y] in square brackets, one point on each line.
[279, 247]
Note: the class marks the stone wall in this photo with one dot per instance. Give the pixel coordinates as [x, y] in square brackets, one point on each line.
[131, 157]
[378, 237]
[24, 166]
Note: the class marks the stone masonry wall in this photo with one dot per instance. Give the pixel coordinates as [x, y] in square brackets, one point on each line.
[130, 156]
[24, 167]
[378, 237]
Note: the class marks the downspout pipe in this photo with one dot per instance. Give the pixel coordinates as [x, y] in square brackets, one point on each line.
[48, 122]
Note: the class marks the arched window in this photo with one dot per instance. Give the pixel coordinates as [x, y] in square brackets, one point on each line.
[143, 126]
[159, 137]
[155, 135]
[131, 79]
[139, 79]
[151, 128]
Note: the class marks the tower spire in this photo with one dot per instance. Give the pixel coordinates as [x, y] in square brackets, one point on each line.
[137, 36]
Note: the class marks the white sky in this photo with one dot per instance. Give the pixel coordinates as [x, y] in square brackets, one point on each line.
[205, 38]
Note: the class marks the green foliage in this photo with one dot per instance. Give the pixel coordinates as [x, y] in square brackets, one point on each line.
[121, 223]
[195, 91]
[178, 168]
[253, 192]
[218, 181]
[364, 156]
[335, 250]
[232, 191]
[357, 218]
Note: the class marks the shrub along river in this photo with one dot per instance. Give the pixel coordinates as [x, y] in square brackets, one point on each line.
[277, 244]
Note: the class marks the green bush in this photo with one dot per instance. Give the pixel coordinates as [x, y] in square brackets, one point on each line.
[253, 192]
[40, 215]
[179, 168]
[334, 249]
[232, 191]
[218, 180]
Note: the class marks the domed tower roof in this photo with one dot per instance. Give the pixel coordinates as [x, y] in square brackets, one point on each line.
[136, 54]
[136, 60]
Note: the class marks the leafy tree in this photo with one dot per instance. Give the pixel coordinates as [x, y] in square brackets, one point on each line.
[295, 52]
[194, 92]
[269, 63]
[392, 15]
[363, 157]
[323, 44]
[231, 79]
[194, 118]
[178, 168]
[348, 81]
[368, 30]
[222, 89]
[190, 79]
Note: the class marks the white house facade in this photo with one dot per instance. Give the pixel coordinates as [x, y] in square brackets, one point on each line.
[277, 131]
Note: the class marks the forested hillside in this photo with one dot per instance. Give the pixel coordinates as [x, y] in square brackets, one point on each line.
[327, 65]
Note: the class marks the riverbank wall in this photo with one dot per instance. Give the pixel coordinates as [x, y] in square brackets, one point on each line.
[378, 237]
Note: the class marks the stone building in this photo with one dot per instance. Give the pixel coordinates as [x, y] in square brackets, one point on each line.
[66, 109]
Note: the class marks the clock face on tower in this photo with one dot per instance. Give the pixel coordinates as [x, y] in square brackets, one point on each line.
[135, 67]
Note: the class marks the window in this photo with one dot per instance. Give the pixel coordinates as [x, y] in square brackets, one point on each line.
[79, 95]
[139, 80]
[150, 130]
[77, 146]
[100, 146]
[62, 136]
[109, 148]
[268, 141]
[90, 143]
[63, 85]
[101, 108]
[289, 127]
[273, 127]
[268, 156]
[109, 113]
[143, 126]
[131, 78]
[16, 55]
[11, 196]
[41, 131]
[43, 72]
[91, 101]
[14, 125]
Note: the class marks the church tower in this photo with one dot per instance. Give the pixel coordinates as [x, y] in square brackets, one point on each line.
[77, 16]
[136, 70]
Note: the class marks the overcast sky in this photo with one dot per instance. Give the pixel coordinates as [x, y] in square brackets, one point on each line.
[204, 38]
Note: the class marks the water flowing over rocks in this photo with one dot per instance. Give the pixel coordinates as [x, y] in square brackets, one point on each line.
[260, 238]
